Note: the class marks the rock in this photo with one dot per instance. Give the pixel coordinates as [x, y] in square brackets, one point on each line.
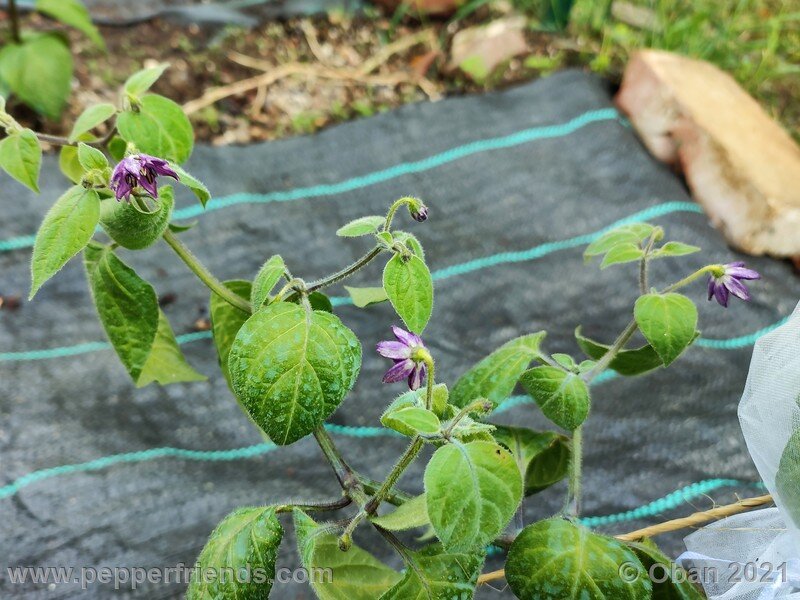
[740, 165]
[480, 50]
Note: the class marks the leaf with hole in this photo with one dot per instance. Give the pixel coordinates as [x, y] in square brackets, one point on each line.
[291, 368]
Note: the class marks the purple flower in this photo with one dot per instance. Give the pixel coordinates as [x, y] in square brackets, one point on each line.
[729, 281]
[419, 213]
[406, 356]
[139, 170]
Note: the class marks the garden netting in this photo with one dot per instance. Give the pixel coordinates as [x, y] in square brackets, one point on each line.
[97, 473]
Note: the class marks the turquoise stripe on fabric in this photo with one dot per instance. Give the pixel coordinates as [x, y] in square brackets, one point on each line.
[525, 136]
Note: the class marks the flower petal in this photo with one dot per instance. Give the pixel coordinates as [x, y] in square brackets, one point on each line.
[742, 273]
[396, 350]
[712, 283]
[417, 377]
[399, 371]
[721, 294]
[737, 288]
[408, 338]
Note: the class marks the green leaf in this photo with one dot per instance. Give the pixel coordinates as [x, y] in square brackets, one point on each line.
[563, 397]
[291, 369]
[622, 253]
[362, 226]
[558, 559]
[141, 81]
[365, 296]
[633, 233]
[91, 118]
[226, 321]
[91, 158]
[417, 398]
[351, 575]
[320, 301]
[408, 515]
[495, 377]
[21, 157]
[197, 187]
[268, 276]
[565, 360]
[541, 456]
[668, 322]
[438, 575]
[166, 363]
[411, 421]
[69, 165]
[472, 491]
[74, 14]
[674, 249]
[787, 480]
[126, 304]
[160, 128]
[244, 544]
[39, 72]
[411, 242]
[409, 286]
[627, 362]
[134, 229]
[181, 228]
[66, 229]
[670, 582]
[117, 148]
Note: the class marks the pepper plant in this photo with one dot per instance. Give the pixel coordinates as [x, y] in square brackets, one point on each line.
[291, 362]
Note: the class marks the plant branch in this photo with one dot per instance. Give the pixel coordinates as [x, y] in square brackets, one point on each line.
[13, 18]
[346, 272]
[576, 471]
[692, 520]
[338, 504]
[214, 284]
[615, 349]
[348, 479]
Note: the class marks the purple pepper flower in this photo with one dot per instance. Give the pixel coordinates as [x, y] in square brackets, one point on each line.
[139, 170]
[405, 354]
[729, 281]
[420, 214]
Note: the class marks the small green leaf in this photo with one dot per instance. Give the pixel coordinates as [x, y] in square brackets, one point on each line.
[438, 575]
[417, 398]
[467, 429]
[409, 515]
[627, 362]
[558, 559]
[674, 249]
[166, 363]
[622, 253]
[91, 158]
[362, 226]
[69, 165]
[366, 295]
[91, 118]
[351, 575]
[126, 304]
[409, 286]
[565, 360]
[633, 233]
[117, 148]
[226, 321]
[472, 491]
[291, 369]
[134, 229]
[21, 157]
[39, 72]
[66, 229]
[74, 14]
[197, 187]
[141, 81]
[159, 127]
[542, 456]
[495, 377]
[268, 277]
[668, 322]
[180, 228]
[411, 242]
[670, 582]
[244, 544]
[320, 301]
[563, 397]
[787, 480]
[412, 421]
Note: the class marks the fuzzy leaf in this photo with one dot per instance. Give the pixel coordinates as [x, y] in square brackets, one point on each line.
[438, 576]
[291, 369]
[66, 229]
[91, 118]
[563, 397]
[408, 515]
[627, 362]
[362, 226]
[541, 456]
[411, 420]
[197, 187]
[160, 128]
[21, 157]
[670, 582]
[364, 296]
[668, 322]
[472, 491]
[409, 286]
[166, 363]
[626, 234]
[133, 229]
[91, 158]
[141, 81]
[674, 249]
[268, 276]
[495, 377]
[226, 320]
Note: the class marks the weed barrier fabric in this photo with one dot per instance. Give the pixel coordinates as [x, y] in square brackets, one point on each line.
[514, 176]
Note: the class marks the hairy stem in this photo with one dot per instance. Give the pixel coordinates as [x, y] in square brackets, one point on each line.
[348, 478]
[214, 284]
[392, 210]
[338, 504]
[576, 471]
[693, 277]
[13, 21]
[615, 349]
[346, 272]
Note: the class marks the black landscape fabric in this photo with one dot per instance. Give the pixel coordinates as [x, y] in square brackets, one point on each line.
[501, 174]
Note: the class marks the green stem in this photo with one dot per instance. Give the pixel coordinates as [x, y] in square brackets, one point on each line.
[429, 392]
[615, 349]
[342, 502]
[13, 18]
[347, 477]
[693, 277]
[214, 284]
[346, 272]
[393, 209]
[576, 470]
[643, 285]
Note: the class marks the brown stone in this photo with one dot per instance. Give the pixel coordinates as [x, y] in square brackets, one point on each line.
[479, 50]
[741, 166]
